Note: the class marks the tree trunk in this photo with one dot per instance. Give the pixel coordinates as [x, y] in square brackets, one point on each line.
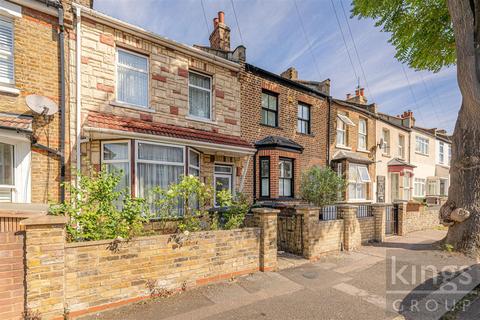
[464, 191]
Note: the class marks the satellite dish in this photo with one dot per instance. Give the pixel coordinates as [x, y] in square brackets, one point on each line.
[41, 105]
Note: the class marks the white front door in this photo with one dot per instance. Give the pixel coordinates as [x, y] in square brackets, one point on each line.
[222, 179]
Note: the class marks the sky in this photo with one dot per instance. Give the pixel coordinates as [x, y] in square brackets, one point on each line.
[306, 34]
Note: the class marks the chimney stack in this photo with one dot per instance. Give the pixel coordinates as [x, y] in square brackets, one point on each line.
[408, 119]
[359, 96]
[220, 37]
[291, 73]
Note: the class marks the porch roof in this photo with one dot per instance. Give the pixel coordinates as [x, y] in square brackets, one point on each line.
[351, 156]
[16, 122]
[278, 142]
[108, 123]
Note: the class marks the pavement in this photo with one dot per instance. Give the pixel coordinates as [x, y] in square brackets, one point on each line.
[378, 281]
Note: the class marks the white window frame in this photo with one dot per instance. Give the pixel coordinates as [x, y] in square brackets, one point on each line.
[441, 152]
[199, 161]
[447, 185]
[229, 175]
[420, 144]
[449, 156]
[342, 127]
[363, 135]
[386, 142]
[137, 160]
[11, 54]
[406, 186]
[147, 106]
[129, 157]
[203, 89]
[401, 146]
[419, 189]
[360, 181]
[22, 156]
[395, 188]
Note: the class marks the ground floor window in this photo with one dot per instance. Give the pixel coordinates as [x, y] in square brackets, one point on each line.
[419, 187]
[6, 172]
[443, 187]
[394, 186]
[223, 179]
[358, 179]
[406, 186]
[116, 158]
[285, 180]
[432, 189]
[264, 176]
[194, 163]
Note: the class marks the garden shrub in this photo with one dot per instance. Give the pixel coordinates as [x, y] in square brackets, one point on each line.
[321, 186]
[98, 209]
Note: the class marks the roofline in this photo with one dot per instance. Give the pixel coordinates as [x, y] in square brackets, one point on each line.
[255, 69]
[130, 28]
[353, 106]
[392, 123]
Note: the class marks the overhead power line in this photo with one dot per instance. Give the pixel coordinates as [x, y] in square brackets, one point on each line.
[344, 41]
[356, 51]
[307, 39]
[236, 20]
[205, 18]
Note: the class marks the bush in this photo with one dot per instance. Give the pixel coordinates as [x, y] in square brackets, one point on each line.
[321, 186]
[235, 209]
[98, 210]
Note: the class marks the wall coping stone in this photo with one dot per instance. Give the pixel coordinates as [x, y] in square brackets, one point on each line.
[378, 205]
[346, 206]
[265, 211]
[44, 220]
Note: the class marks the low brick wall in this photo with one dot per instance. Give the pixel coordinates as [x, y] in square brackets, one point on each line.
[83, 277]
[367, 228]
[325, 237]
[11, 275]
[97, 274]
[425, 218]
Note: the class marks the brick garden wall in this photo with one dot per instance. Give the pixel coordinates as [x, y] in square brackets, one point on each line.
[11, 275]
[420, 220]
[367, 228]
[328, 237]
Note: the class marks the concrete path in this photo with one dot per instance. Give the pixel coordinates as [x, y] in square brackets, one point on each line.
[365, 284]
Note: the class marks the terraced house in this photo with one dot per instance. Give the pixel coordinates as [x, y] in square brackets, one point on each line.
[353, 150]
[155, 108]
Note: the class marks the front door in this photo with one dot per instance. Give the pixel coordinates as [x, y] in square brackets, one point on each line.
[222, 179]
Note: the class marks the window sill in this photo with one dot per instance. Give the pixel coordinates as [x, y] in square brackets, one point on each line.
[198, 119]
[306, 134]
[422, 154]
[386, 155]
[132, 107]
[343, 147]
[269, 126]
[363, 151]
[10, 90]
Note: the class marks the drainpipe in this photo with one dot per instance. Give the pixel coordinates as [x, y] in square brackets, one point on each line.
[61, 43]
[78, 47]
[255, 177]
[329, 100]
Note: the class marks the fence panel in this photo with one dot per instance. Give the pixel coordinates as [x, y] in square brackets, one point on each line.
[364, 211]
[328, 213]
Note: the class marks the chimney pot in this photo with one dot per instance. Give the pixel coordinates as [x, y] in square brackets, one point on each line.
[215, 23]
[357, 92]
[349, 95]
[362, 91]
[221, 17]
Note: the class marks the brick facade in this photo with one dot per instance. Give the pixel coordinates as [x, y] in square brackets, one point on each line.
[289, 95]
[11, 275]
[361, 156]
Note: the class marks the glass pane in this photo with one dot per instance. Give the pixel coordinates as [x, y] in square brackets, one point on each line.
[223, 169]
[115, 151]
[6, 164]
[123, 169]
[285, 187]
[147, 151]
[363, 174]
[131, 60]
[265, 187]
[272, 102]
[132, 86]
[199, 80]
[222, 183]
[352, 191]
[300, 111]
[340, 138]
[272, 118]
[199, 101]
[353, 172]
[264, 100]
[194, 159]
[194, 171]
[265, 168]
[5, 195]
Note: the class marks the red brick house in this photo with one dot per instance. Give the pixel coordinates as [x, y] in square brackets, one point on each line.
[287, 121]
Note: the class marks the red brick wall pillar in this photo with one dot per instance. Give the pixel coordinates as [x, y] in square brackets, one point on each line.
[11, 275]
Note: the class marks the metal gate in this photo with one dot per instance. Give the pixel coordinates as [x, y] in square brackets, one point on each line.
[391, 219]
[290, 233]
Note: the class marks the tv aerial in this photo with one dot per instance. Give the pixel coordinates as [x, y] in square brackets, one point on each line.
[41, 105]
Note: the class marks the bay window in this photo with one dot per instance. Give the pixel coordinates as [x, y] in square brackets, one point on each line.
[285, 180]
[264, 177]
[193, 163]
[419, 187]
[116, 158]
[200, 95]
[132, 78]
[358, 179]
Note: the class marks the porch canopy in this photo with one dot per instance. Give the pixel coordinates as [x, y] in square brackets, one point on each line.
[399, 165]
[103, 126]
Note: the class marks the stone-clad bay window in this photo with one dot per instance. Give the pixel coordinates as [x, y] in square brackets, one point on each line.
[132, 78]
[200, 95]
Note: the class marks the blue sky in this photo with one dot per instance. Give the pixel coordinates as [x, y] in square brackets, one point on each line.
[273, 34]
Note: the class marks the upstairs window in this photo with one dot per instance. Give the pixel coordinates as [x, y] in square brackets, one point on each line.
[386, 141]
[200, 95]
[132, 78]
[303, 121]
[6, 51]
[269, 109]
[421, 145]
[449, 154]
[401, 146]
[441, 153]
[362, 134]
